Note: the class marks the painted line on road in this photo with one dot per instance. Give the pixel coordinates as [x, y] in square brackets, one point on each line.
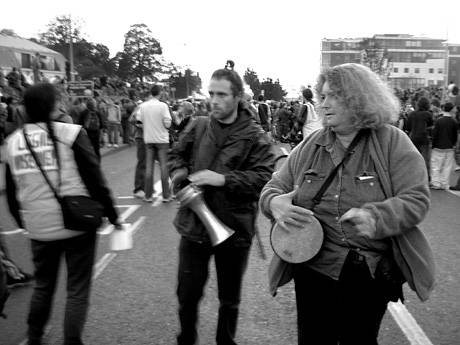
[408, 325]
[454, 192]
[108, 257]
[125, 197]
[285, 152]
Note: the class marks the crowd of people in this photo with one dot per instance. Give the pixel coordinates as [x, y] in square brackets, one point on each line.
[365, 180]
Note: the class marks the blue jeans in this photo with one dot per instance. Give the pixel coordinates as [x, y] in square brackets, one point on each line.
[159, 151]
[113, 129]
[231, 262]
[79, 257]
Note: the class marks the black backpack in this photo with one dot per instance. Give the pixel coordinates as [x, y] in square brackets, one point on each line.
[92, 121]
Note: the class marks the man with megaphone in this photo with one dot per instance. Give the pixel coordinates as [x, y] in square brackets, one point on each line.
[226, 159]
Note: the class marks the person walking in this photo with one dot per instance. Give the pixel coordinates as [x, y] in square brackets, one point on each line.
[91, 120]
[72, 166]
[443, 151]
[418, 125]
[366, 184]
[229, 156]
[156, 119]
[139, 173]
[113, 123]
[307, 117]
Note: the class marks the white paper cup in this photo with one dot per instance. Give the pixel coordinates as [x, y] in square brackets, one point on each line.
[121, 239]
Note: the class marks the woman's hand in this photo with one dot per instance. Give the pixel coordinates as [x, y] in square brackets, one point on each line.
[362, 220]
[287, 214]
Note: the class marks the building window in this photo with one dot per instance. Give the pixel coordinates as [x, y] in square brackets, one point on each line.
[431, 70]
[406, 70]
[417, 70]
[413, 43]
[440, 70]
[395, 70]
[25, 61]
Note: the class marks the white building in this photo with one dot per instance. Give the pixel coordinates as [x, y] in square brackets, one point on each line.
[414, 61]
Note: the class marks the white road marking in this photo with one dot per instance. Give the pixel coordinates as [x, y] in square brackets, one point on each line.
[125, 197]
[108, 257]
[408, 325]
[284, 151]
[457, 193]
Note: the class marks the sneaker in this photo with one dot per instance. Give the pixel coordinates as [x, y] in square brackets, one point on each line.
[454, 188]
[168, 199]
[109, 145]
[25, 279]
[116, 145]
[139, 194]
[150, 200]
[457, 168]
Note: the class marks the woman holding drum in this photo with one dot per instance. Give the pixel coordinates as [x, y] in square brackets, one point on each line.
[346, 204]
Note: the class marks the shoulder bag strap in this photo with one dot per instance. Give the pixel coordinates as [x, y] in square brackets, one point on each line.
[317, 198]
[37, 161]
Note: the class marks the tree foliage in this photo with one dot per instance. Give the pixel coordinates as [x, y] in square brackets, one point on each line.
[272, 89]
[141, 53]
[185, 83]
[8, 32]
[59, 31]
[90, 59]
[250, 77]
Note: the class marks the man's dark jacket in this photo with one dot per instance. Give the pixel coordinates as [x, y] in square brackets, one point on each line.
[243, 154]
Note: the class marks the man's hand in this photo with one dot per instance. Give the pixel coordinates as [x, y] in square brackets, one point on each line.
[287, 214]
[362, 220]
[178, 176]
[207, 177]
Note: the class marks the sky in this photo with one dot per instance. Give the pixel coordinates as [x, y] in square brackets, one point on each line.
[277, 39]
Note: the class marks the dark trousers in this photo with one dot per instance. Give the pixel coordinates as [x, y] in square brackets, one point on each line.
[79, 257]
[94, 138]
[139, 175]
[231, 262]
[346, 312]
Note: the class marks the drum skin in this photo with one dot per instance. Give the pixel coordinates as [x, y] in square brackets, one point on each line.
[297, 245]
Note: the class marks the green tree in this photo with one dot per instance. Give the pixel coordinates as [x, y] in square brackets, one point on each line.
[90, 59]
[273, 90]
[142, 52]
[8, 32]
[250, 77]
[58, 34]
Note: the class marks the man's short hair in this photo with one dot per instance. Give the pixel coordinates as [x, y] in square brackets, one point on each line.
[307, 94]
[448, 106]
[232, 77]
[155, 90]
[260, 98]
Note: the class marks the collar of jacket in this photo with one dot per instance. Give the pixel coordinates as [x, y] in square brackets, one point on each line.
[241, 128]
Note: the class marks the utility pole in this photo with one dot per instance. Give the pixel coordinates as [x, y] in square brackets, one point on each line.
[72, 77]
